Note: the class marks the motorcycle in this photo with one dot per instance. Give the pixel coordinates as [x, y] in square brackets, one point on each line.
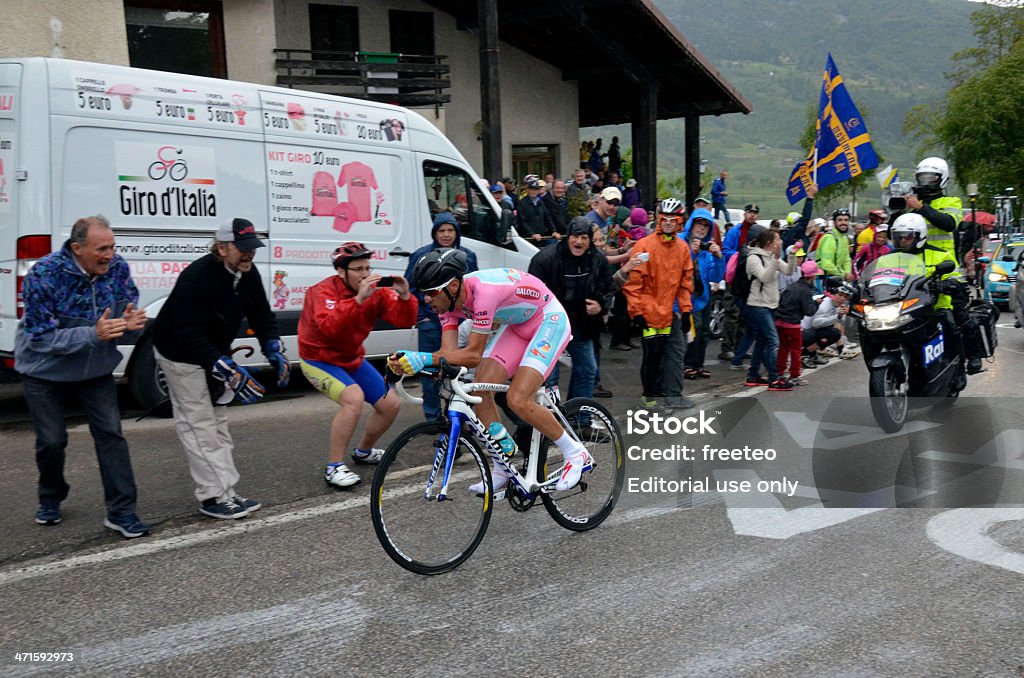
[903, 338]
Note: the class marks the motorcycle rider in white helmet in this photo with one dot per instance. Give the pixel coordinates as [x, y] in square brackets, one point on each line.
[941, 212]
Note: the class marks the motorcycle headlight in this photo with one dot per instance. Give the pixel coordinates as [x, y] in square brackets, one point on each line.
[884, 317]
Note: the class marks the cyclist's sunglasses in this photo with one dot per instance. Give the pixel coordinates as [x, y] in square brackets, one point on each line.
[434, 291]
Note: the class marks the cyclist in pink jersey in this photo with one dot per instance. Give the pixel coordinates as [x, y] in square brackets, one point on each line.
[519, 330]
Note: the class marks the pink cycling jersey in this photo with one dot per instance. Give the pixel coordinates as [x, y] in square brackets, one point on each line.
[500, 296]
[527, 324]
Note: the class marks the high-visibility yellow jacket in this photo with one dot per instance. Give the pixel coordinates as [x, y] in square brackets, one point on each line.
[938, 237]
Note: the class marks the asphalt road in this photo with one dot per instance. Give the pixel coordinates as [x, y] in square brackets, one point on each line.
[863, 563]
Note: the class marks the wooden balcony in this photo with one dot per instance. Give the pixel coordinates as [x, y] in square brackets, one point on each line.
[402, 79]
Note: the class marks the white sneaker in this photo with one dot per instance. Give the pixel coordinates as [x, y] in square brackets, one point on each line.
[340, 476]
[828, 352]
[849, 353]
[573, 469]
[371, 457]
[498, 482]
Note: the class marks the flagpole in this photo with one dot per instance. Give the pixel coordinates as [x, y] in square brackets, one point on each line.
[815, 176]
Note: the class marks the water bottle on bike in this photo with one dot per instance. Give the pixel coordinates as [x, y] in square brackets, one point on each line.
[500, 435]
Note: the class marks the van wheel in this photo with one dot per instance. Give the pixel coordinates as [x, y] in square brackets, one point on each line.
[146, 379]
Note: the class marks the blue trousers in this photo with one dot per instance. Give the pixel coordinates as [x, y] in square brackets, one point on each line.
[98, 397]
[430, 341]
[584, 369]
[766, 347]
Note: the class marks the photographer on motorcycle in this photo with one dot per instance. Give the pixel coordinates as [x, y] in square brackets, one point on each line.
[941, 213]
[910, 233]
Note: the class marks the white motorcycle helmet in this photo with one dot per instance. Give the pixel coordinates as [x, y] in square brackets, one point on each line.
[906, 226]
[932, 173]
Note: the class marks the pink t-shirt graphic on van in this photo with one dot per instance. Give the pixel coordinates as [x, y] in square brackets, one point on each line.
[360, 181]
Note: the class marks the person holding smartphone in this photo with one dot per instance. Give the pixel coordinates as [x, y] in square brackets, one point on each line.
[338, 314]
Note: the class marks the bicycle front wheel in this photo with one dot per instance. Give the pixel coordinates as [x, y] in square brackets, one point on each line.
[585, 506]
[417, 531]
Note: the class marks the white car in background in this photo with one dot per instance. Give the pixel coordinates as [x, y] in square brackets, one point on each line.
[735, 216]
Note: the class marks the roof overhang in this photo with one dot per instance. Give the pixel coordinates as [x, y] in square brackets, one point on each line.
[614, 50]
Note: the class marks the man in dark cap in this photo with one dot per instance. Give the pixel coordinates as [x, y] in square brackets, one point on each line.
[581, 279]
[532, 216]
[193, 336]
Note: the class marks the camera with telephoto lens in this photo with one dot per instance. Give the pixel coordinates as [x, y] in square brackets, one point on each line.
[898, 192]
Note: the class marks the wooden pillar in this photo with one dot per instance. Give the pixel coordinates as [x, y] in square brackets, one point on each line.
[645, 144]
[490, 98]
[692, 159]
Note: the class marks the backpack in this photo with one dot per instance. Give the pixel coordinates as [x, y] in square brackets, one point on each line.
[730, 268]
[325, 195]
[741, 279]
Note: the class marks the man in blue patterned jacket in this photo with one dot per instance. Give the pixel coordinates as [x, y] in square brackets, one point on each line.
[79, 301]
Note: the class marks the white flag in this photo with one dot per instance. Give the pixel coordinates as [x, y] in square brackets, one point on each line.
[886, 176]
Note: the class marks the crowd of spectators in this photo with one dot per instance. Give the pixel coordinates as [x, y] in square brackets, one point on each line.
[664, 273]
[773, 292]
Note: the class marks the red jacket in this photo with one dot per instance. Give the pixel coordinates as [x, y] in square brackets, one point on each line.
[333, 326]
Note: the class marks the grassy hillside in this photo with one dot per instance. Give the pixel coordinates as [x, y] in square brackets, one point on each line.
[892, 56]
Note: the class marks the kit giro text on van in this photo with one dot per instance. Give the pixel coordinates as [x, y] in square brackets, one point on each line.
[175, 201]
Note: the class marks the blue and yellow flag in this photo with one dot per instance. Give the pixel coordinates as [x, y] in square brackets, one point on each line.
[842, 148]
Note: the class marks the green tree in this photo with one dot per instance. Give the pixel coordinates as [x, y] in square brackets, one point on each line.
[577, 205]
[977, 126]
[980, 125]
[997, 30]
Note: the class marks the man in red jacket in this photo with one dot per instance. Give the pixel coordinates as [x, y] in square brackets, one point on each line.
[338, 315]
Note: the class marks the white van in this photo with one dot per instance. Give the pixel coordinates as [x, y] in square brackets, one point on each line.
[168, 157]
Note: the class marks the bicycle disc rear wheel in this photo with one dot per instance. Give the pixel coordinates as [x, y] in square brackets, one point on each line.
[585, 506]
[420, 534]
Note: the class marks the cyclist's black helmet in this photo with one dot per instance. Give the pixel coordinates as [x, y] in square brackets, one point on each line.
[437, 267]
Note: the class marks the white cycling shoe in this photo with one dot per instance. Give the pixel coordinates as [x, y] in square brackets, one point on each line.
[498, 482]
[573, 469]
[339, 475]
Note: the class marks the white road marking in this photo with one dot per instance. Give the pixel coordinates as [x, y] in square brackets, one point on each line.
[344, 615]
[804, 431]
[749, 517]
[1005, 450]
[232, 528]
[964, 532]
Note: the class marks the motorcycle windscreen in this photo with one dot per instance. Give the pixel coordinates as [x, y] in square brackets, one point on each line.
[890, 276]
